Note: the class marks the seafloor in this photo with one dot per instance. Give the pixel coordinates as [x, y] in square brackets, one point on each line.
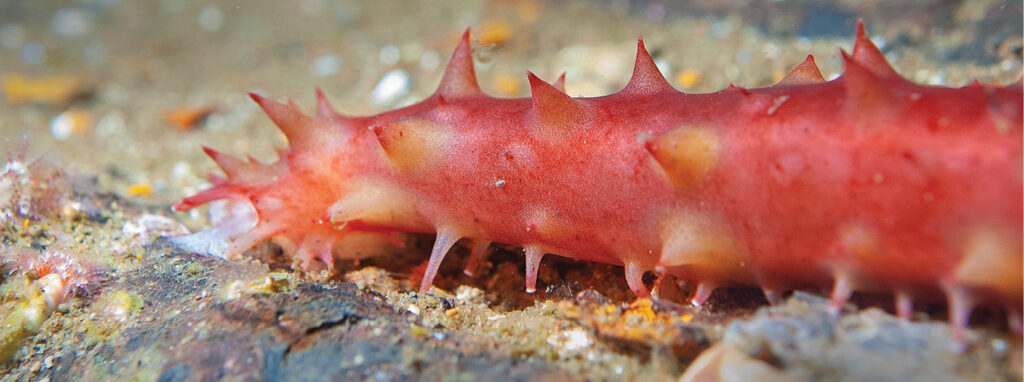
[118, 97]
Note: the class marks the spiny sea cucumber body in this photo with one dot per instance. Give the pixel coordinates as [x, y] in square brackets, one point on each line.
[866, 182]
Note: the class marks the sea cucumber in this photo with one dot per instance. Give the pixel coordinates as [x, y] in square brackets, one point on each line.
[868, 182]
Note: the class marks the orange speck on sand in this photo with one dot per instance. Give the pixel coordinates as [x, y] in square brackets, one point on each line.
[53, 90]
[778, 76]
[506, 85]
[643, 308]
[688, 78]
[141, 189]
[77, 120]
[186, 118]
[494, 33]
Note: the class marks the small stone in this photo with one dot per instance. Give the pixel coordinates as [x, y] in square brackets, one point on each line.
[211, 18]
[181, 169]
[69, 122]
[33, 53]
[326, 65]
[389, 55]
[571, 340]
[392, 86]
[71, 22]
[429, 61]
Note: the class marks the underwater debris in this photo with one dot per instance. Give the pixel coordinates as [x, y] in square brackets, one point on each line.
[30, 189]
[51, 277]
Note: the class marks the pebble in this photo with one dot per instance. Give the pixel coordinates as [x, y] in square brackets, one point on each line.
[211, 18]
[181, 169]
[33, 53]
[999, 346]
[937, 79]
[68, 122]
[389, 55]
[413, 309]
[1007, 65]
[571, 340]
[61, 127]
[326, 65]
[429, 61]
[392, 86]
[71, 22]
[770, 50]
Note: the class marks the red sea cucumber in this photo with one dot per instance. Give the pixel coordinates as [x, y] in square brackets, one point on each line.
[866, 182]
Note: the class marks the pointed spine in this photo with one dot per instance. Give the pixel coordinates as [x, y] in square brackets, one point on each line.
[805, 73]
[646, 79]
[733, 88]
[552, 108]
[459, 77]
[297, 127]
[560, 83]
[867, 54]
[242, 171]
[232, 166]
[868, 97]
[324, 110]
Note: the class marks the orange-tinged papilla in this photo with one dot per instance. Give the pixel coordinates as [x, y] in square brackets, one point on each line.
[686, 153]
[413, 144]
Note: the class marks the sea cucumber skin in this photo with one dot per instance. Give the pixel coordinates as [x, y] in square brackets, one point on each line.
[866, 182]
